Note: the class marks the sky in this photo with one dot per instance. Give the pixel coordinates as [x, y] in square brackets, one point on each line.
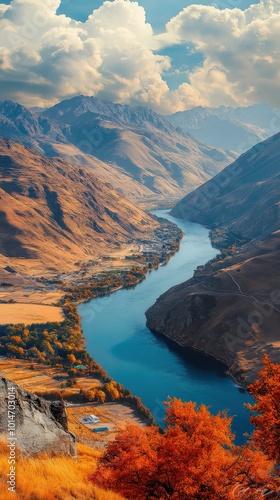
[168, 55]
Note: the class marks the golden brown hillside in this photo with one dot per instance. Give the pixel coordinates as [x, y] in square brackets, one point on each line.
[54, 214]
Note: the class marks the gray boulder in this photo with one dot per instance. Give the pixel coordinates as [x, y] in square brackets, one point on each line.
[36, 424]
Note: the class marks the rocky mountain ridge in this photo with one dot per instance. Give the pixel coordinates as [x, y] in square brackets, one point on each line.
[138, 151]
[244, 198]
[229, 310]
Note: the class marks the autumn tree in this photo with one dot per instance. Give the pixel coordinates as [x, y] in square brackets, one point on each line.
[193, 459]
[100, 396]
[71, 358]
[89, 394]
[112, 390]
[16, 351]
[130, 464]
[266, 410]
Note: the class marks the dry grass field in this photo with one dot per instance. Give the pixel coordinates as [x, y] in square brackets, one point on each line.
[41, 377]
[43, 477]
[29, 313]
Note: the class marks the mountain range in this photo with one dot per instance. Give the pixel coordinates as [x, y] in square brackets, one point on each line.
[230, 308]
[236, 129]
[139, 152]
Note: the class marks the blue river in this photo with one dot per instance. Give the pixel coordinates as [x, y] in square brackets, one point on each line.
[149, 365]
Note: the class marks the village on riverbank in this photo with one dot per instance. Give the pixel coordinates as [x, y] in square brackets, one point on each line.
[124, 267]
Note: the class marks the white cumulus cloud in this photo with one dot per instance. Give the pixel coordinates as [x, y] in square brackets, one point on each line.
[46, 57]
[241, 53]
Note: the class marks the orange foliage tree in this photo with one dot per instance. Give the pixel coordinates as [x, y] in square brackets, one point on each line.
[266, 411]
[194, 458]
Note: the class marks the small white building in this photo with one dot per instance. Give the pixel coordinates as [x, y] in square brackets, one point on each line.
[91, 419]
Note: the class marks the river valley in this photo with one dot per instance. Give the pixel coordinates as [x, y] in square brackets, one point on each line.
[151, 366]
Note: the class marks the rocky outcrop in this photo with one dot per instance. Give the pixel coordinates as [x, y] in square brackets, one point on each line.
[183, 315]
[37, 425]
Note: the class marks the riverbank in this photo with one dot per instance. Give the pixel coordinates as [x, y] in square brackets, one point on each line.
[239, 381]
[154, 388]
[62, 345]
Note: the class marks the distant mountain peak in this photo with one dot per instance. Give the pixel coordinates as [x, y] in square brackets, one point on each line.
[69, 109]
[229, 128]
[14, 109]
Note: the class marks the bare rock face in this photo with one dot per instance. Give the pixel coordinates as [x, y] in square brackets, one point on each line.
[180, 315]
[37, 425]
